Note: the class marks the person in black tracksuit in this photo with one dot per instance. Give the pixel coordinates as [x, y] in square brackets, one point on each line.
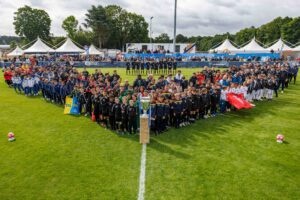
[124, 115]
[127, 68]
[133, 68]
[178, 109]
[117, 115]
[203, 104]
[111, 113]
[143, 67]
[131, 113]
[156, 66]
[160, 115]
[184, 110]
[214, 102]
[148, 67]
[104, 109]
[96, 106]
[167, 113]
[190, 107]
[208, 103]
[283, 75]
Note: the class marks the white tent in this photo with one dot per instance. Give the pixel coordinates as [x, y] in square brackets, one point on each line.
[225, 47]
[279, 46]
[93, 51]
[16, 52]
[69, 47]
[297, 48]
[38, 47]
[253, 47]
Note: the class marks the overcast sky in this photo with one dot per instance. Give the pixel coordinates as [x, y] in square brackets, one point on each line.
[195, 17]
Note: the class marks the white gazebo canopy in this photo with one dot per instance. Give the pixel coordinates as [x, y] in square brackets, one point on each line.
[93, 51]
[253, 47]
[226, 46]
[38, 47]
[16, 52]
[297, 48]
[69, 47]
[280, 46]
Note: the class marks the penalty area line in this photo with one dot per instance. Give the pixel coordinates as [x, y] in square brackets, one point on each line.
[142, 174]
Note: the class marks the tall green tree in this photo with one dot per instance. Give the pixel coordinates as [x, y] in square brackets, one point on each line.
[271, 31]
[97, 20]
[181, 38]
[245, 35]
[138, 28]
[70, 25]
[291, 31]
[84, 37]
[163, 38]
[125, 27]
[31, 23]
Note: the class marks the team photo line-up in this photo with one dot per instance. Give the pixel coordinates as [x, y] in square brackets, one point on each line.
[175, 100]
[165, 66]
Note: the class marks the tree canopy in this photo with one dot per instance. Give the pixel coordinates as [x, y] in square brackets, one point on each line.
[31, 23]
[70, 26]
[97, 20]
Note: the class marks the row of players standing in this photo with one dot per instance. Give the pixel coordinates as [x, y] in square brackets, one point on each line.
[165, 66]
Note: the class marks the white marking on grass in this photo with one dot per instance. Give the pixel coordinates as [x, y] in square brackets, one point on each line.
[142, 174]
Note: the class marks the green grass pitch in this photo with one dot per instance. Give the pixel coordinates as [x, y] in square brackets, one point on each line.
[234, 156]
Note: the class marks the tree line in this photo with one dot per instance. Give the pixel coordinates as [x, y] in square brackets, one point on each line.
[112, 27]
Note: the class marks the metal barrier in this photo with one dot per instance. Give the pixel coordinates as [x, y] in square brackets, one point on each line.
[183, 64]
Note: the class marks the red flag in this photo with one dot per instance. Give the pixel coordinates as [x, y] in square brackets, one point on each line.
[238, 101]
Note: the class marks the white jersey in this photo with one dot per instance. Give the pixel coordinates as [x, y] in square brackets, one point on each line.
[233, 90]
[31, 82]
[244, 90]
[178, 77]
[224, 95]
[14, 80]
[18, 80]
[36, 80]
[25, 82]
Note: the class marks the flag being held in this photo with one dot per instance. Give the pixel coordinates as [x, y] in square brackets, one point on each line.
[71, 106]
[238, 101]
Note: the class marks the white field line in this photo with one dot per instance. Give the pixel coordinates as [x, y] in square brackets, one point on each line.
[142, 174]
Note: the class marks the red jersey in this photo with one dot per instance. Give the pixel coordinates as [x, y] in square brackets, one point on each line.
[7, 76]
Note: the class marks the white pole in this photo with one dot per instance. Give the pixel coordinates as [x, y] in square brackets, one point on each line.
[174, 35]
[151, 33]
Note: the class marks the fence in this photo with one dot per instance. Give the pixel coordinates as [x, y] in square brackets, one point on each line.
[187, 64]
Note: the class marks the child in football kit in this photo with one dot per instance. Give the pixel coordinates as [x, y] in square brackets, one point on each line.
[17, 83]
[131, 114]
[271, 85]
[117, 115]
[124, 127]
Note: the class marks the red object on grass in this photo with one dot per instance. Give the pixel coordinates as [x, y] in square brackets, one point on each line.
[238, 101]
[93, 117]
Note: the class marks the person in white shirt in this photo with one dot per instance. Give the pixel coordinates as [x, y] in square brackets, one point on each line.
[30, 85]
[25, 85]
[17, 82]
[36, 85]
[244, 91]
[178, 77]
[223, 99]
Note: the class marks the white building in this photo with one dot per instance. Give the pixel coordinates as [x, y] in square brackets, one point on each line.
[161, 47]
